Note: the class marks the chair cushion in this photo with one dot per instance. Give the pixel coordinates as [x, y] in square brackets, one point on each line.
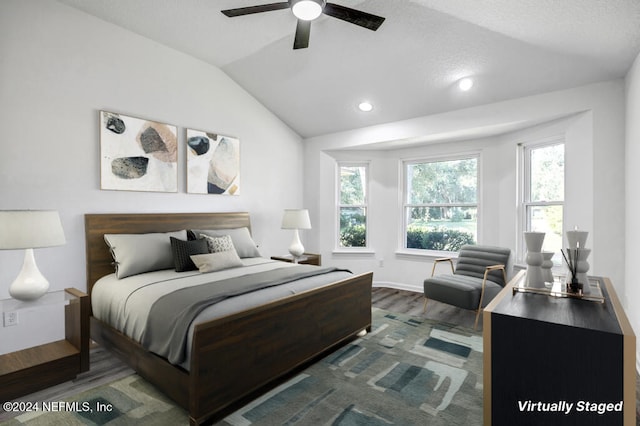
[460, 290]
[473, 260]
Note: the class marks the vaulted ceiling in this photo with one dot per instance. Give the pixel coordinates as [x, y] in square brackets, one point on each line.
[406, 69]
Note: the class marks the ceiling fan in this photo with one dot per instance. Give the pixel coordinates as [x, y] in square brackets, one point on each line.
[308, 10]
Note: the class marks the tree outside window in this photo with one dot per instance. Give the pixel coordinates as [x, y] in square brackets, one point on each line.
[543, 195]
[441, 207]
[352, 205]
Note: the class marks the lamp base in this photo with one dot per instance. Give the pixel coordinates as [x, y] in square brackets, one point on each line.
[30, 284]
[296, 248]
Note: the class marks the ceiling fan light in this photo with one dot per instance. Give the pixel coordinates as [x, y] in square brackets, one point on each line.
[307, 10]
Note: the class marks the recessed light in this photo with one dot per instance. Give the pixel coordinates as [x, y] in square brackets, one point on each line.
[365, 106]
[465, 84]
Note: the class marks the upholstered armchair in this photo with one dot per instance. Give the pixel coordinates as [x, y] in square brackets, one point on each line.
[478, 276]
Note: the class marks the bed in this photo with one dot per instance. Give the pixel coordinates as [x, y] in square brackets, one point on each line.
[234, 357]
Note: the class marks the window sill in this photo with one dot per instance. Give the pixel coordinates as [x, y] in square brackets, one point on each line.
[363, 251]
[426, 254]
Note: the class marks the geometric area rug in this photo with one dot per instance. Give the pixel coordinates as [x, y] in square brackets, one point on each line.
[406, 371]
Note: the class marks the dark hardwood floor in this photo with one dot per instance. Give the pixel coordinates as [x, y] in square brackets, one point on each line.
[411, 303]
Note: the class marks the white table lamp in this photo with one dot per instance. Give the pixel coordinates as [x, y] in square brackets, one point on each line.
[29, 229]
[296, 219]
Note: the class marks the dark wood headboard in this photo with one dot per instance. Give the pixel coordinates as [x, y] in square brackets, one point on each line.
[99, 260]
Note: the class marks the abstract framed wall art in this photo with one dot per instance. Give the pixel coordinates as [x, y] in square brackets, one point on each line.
[213, 163]
[137, 154]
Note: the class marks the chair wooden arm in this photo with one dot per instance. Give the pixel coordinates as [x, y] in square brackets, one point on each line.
[487, 270]
[442, 259]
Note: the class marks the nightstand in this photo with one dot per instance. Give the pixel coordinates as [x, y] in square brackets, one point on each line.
[28, 370]
[306, 258]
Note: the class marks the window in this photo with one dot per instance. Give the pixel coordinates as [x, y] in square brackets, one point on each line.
[352, 205]
[543, 194]
[441, 203]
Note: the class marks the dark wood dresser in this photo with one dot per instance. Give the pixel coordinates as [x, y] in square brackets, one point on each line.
[557, 360]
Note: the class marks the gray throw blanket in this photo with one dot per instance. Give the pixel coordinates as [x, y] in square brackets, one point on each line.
[171, 315]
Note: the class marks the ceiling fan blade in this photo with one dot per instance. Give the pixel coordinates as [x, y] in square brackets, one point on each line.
[303, 31]
[256, 9]
[363, 19]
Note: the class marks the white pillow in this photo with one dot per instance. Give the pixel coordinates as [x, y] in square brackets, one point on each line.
[242, 241]
[216, 261]
[138, 253]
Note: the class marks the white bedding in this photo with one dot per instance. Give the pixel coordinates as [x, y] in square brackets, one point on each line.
[125, 303]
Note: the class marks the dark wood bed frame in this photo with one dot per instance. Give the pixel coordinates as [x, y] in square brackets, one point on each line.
[240, 355]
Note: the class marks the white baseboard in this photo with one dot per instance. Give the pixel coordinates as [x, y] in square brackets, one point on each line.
[399, 286]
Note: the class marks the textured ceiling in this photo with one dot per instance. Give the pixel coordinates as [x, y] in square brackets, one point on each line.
[409, 67]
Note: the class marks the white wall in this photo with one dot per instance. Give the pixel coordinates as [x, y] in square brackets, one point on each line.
[59, 67]
[632, 228]
[593, 128]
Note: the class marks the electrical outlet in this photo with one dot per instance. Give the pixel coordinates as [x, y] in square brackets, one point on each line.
[10, 318]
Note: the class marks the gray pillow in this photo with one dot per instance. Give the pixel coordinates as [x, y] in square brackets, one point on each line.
[218, 261]
[242, 241]
[139, 253]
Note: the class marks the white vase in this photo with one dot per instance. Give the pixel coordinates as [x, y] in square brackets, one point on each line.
[577, 239]
[534, 259]
[546, 266]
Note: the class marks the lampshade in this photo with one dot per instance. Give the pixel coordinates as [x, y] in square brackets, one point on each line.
[296, 219]
[307, 10]
[29, 229]
[24, 229]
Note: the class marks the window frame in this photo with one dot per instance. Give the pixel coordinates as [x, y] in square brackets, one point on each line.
[339, 205]
[524, 199]
[404, 205]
